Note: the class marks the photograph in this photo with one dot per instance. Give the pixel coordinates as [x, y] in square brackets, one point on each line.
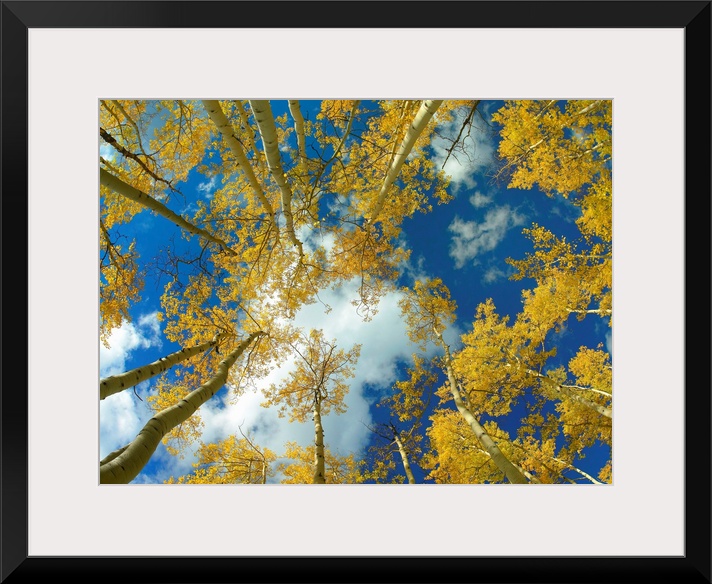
[356, 291]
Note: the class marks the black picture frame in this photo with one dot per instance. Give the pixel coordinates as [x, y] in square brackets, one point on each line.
[694, 566]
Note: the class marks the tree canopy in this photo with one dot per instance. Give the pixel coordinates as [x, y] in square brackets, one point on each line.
[236, 223]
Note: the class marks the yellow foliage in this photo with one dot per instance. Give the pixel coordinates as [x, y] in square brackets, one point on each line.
[456, 456]
[167, 393]
[427, 309]
[230, 461]
[120, 284]
[592, 368]
[300, 469]
[559, 149]
[563, 148]
[318, 380]
[408, 400]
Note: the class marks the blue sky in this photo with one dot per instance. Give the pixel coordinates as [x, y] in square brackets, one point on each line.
[464, 242]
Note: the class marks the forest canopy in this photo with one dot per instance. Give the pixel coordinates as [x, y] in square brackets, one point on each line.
[350, 291]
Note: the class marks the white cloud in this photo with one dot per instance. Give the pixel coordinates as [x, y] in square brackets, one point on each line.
[471, 238]
[384, 343]
[413, 270]
[125, 339]
[314, 237]
[480, 200]
[478, 152]
[208, 187]
[493, 274]
[165, 465]
[122, 415]
[150, 327]
[107, 153]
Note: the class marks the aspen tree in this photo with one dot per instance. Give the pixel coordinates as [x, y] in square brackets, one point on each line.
[117, 383]
[300, 466]
[270, 144]
[426, 111]
[124, 465]
[341, 183]
[428, 309]
[225, 128]
[230, 461]
[117, 185]
[315, 387]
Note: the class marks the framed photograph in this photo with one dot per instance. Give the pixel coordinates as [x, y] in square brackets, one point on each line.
[619, 92]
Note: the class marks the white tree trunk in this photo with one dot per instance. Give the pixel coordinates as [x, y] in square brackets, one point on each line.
[404, 458]
[526, 473]
[117, 383]
[245, 119]
[268, 132]
[212, 106]
[578, 470]
[545, 108]
[599, 311]
[591, 389]
[563, 389]
[319, 470]
[118, 186]
[427, 109]
[296, 112]
[590, 107]
[503, 463]
[124, 466]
